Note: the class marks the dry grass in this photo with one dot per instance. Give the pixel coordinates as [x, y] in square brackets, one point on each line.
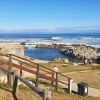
[89, 73]
[26, 94]
[66, 96]
[64, 68]
[91, 77]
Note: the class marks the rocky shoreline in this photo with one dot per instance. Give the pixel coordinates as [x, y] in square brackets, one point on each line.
[81, 52]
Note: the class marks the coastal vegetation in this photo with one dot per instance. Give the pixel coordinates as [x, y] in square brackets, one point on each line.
[65, 68]
[79, 72]
[26, 94]
[49, 50]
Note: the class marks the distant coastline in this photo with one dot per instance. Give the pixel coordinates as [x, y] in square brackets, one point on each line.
[31, 40]
[50, 38]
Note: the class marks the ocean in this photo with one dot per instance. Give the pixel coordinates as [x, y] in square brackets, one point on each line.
[49, 38]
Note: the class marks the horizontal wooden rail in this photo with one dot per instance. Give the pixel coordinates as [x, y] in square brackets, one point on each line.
[1, 63]
[1, 54]
[15, 84]
[63, 75]
[63, 82]
[30, 71]
[6, 71]
[45, 71]
[38, 72]
[24, 59]
[33, 63]
[43, 68]
[24, 62]
[36, 90]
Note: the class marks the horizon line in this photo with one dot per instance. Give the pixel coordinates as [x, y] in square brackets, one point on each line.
[78, 29]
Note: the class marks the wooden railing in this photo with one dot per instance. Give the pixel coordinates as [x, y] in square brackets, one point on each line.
[28, 66]
[15, 85]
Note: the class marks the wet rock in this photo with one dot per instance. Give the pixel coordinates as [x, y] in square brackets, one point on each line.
[80, 52]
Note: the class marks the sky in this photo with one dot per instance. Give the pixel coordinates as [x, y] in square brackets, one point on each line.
[52, 15]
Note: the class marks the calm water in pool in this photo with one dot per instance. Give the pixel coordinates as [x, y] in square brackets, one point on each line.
[43, 54]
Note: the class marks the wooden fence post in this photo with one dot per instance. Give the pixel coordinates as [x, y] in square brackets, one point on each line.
[56, 81]
[15, 85]
[21, 69]
[47, 94]
[10, 69]
[52, 82]
[70, 85]
[37, 76]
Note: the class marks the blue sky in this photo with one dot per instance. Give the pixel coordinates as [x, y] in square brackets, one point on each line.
[50, 14]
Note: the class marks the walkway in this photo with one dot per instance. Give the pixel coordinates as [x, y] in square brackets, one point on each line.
[91, 91]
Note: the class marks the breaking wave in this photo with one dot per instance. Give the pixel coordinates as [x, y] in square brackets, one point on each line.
[57, 39]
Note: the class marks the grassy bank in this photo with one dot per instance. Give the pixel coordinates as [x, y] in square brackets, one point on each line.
[25, 93]
[81, 73]
[64, 68]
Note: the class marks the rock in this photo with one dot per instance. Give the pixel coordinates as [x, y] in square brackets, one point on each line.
[80, 52]
[66, 60]
[62, 60]
[23, 43]
[98, 60]
[41, 46]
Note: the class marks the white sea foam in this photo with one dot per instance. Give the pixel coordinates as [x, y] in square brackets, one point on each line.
[56, 38]
[92, 41]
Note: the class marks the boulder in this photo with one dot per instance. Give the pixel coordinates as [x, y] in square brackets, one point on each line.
[80, 52]
[41, 46]
[62, 60]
